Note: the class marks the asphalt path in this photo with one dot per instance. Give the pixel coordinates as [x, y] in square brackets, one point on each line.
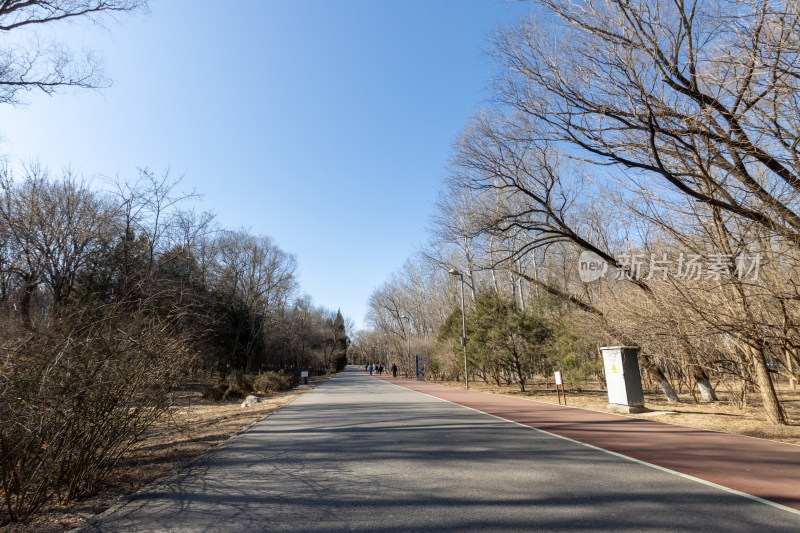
[766, 469]
[361, 454]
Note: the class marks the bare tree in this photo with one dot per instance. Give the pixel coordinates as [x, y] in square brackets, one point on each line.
[500, 156]
[53, 227]
[257, 279]
[695, 100]
[25, 66]
[692, 93]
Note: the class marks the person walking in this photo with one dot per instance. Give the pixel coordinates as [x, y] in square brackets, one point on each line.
[394, 370]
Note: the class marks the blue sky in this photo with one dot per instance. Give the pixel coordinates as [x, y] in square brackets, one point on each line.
[324, 124]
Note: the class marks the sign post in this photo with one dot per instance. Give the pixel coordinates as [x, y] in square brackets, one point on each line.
[420, 361]
[560, 387]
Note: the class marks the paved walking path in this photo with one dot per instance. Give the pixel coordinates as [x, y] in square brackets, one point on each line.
[763, 468]
[360, 454]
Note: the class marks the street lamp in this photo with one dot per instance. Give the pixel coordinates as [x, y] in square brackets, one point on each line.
[386, 347]
[456, 272]
[408, 337]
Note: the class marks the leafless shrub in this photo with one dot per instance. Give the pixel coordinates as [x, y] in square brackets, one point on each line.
[272, 382]
[75, 396]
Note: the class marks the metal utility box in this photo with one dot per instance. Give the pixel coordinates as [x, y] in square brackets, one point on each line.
[623, 379]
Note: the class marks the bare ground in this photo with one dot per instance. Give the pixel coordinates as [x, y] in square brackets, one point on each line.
[194, 427]
[721, 416]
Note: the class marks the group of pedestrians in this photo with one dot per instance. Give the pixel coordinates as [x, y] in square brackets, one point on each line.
[378, 368]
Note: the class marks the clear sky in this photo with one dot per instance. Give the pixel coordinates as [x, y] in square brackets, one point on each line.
[326, 125]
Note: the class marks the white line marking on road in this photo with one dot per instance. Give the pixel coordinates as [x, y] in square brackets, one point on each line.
[621, 456]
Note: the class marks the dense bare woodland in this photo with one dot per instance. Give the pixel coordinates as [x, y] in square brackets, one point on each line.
[655, 141]
[114, 292]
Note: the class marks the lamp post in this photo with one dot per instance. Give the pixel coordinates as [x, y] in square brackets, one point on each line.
[408, 338]
[386, 347]
[456, 272]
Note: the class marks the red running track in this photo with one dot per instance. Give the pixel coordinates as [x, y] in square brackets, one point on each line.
[767, 469]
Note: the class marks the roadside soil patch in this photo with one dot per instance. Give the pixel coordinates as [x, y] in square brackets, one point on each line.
[193, 427]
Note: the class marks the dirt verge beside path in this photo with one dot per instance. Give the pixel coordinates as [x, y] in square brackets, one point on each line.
[194, 427]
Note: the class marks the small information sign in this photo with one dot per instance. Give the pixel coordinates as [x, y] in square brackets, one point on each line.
[560, 387]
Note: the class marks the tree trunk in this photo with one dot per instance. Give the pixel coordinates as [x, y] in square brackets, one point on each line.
[706, 390]
[769, 397]
[659, 376]
[235, 345]
[25, 305]
[703, 383]
[790, 369]
[699, 376]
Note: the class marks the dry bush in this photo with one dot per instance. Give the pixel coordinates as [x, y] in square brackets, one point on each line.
[215, 393]
[239, 381]
[75, 396]
[446, 361]
[272, 382]
[235, 387]
[234, 393]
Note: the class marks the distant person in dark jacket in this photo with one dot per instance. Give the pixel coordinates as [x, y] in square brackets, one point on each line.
[394, 370]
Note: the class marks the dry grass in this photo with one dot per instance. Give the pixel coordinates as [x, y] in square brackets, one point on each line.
[719, 416]
[193, 428]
